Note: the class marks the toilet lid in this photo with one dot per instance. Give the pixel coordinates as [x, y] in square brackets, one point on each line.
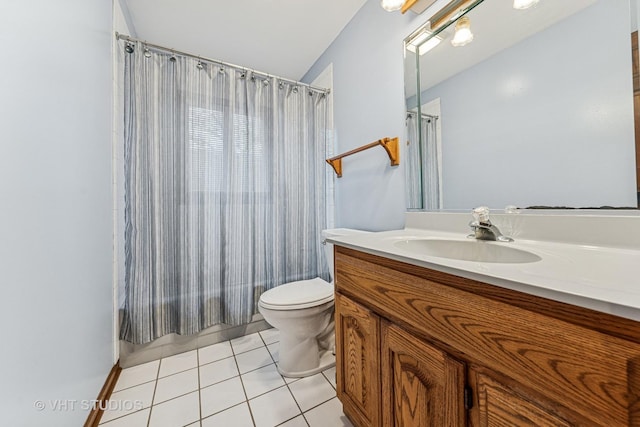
[297, 295]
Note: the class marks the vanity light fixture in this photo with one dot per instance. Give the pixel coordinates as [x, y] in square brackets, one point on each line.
[419, 43]
[392, 5]
[416, 6]
[524, 4]
[463, 34]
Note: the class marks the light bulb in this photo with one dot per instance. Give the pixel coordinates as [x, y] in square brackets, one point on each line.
[524, 4]
[463, 34]
[392, 5]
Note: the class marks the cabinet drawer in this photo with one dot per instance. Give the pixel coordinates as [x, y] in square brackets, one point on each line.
[592, 373]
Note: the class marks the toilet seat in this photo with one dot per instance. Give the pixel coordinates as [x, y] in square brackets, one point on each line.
[298, 295]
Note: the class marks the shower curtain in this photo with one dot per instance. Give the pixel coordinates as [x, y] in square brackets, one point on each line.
[423, 167]
[226, 191]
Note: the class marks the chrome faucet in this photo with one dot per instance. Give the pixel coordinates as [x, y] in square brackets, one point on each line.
[482, 227]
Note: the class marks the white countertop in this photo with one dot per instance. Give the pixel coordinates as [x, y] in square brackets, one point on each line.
[601, 278]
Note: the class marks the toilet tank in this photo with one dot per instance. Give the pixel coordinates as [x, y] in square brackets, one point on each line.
[328, 247]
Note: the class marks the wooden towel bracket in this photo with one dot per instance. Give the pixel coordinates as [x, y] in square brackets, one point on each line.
[390, 145]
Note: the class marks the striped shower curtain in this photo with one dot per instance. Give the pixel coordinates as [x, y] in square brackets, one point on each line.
[422, 189]
[225, 187]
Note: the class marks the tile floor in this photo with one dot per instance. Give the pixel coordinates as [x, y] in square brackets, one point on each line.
[233, 383]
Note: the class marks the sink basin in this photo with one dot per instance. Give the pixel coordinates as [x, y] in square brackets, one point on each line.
[468, 250]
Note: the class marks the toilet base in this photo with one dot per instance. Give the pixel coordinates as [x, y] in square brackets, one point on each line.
[327, 360]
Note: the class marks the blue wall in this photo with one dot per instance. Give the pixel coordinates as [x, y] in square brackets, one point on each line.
[56, 208]
[521, 143]
[369, 104]
[368, 90]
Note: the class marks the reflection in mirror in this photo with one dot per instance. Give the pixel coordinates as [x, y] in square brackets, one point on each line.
[413, 153]
[413, 163]
[423, 161]
[537, 110]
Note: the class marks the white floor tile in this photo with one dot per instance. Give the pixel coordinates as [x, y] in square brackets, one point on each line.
[178, 363]
[330, 374]
[296, 422]
[269, 336]
[290, 380]
[176, 385]
[328, 414]
[221, 396]
[181, 411]
[137, 419]
[273, 349]
[238, 416]
[137, 375]
[262, 380]
[214, 352]
[312, 391]
[221, 400]
[218, 371]
[246, 343]
[131, 400]
[274, 408]
[253, 359]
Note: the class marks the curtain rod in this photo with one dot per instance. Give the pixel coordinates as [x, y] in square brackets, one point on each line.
[216, 61]
[423, 115]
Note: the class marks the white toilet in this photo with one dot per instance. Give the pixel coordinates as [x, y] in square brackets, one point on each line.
[303, 313]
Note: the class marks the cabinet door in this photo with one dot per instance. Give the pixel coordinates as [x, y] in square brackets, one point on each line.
[358, 361]
[421, 385]
[500, 405]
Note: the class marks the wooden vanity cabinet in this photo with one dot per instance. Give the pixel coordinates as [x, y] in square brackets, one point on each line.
[357, 349]
[417, 347]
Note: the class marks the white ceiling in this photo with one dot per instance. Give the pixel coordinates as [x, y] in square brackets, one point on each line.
[279, 37]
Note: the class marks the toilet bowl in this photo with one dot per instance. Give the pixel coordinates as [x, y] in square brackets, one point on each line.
[303, 313]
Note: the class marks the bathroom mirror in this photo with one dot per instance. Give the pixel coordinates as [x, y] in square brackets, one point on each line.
[537, 110]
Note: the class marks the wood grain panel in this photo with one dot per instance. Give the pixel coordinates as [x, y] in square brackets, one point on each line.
[499, 406]
[603, 322]
[512, 400]
[575, 366]
[636, 100]
[421, 385]
[635, 62]
[357, 362]
[636, 122]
